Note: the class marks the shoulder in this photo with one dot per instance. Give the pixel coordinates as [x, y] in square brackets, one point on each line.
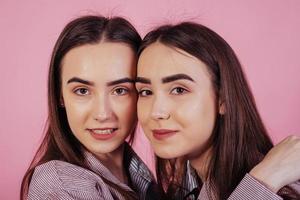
[45, 181]
[45, 173]
[63, 180]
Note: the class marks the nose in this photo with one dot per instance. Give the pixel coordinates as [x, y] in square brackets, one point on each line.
[102, 108]
[160, 108]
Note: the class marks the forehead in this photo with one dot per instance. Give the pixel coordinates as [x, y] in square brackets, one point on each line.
[159, 60]
[102, 61]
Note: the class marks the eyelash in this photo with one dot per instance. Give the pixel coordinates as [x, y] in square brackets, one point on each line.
[125, 91]
[79, 90]
[173, 92]
[144, 95]
[180, 93]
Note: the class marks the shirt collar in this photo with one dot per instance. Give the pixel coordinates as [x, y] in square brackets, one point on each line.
[190, 184]
[138, 172]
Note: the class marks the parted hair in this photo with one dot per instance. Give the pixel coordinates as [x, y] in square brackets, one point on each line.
[240, 139]
[59, 143]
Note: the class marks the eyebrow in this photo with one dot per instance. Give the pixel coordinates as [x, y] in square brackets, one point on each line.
[79, 80]
[142, 80]
[111, 83]
[119, 81]
[176, 77]
[167, 79]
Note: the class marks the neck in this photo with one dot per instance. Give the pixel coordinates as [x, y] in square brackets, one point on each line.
[200, 164]
[114, 162]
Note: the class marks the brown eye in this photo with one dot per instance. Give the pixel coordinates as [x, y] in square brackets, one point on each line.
[144, 93]
[82, 91]
[178, 91]
[120, 91]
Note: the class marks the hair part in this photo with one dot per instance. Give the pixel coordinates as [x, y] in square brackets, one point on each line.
[59, 143]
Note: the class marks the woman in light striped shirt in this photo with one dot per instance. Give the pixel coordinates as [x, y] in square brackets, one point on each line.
[198, 112]
[92, 110]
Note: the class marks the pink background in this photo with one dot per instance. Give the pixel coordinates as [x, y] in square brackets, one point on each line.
[264, 34]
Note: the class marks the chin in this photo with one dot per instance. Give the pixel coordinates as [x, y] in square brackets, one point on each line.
[166, 153]
[105, 148]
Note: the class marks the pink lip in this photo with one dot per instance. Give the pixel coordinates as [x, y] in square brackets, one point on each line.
[161, 134]
[102, 136]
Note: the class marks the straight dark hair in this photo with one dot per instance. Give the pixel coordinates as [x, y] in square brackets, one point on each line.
[59, 143]
[239, 140]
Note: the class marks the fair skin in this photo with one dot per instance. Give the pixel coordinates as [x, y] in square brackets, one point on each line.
[283, 159]
[184, 105]
[177, 109]
[100, 99]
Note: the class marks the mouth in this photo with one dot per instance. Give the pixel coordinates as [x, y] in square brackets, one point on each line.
[103, 133]
[161, 134]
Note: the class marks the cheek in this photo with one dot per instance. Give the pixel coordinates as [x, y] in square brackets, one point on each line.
[77, 112]
[143, 110]
[186, 111]
[125, 109]
[198, 114]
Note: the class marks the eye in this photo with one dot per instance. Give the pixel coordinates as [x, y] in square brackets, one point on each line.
[178, 91]
[120, 91]
[144, 93]
[82, 91]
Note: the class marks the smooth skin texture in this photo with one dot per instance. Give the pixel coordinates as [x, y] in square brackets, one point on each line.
[98, 94]
[281, 166]
[176, 93]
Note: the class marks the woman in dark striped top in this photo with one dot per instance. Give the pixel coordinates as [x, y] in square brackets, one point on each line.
[198, 112]
[92, 110]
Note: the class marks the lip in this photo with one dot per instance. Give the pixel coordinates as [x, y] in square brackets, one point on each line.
[102, 136]
[161, 134]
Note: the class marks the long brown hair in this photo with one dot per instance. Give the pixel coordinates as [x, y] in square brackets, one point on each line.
[59, 143]
[239, 140]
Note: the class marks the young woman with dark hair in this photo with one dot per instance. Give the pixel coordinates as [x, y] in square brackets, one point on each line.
[91, 111]
[197, 110]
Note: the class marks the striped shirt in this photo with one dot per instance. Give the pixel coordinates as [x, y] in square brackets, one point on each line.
[248, 189]
[61, 180]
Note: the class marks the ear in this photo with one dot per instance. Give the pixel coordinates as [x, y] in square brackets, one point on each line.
[222, 109]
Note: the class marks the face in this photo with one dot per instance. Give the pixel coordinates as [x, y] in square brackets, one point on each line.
[99, 95]
[177, 103]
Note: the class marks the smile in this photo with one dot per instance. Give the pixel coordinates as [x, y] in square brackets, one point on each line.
[103, 133]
